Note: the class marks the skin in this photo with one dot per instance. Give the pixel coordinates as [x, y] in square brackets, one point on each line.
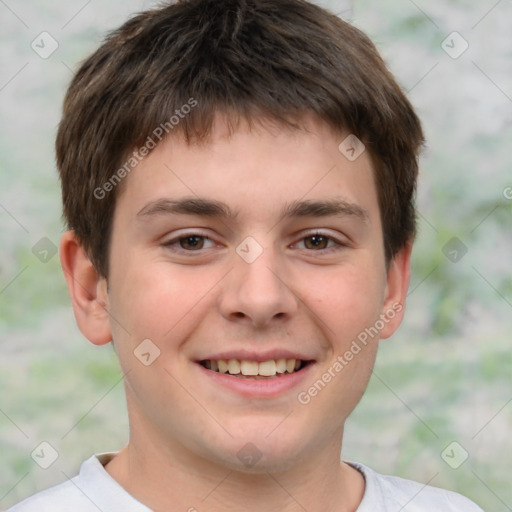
[185, 432]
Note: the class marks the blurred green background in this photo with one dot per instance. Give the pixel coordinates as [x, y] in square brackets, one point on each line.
[444, 377]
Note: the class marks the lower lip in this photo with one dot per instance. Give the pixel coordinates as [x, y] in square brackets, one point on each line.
[258, 388]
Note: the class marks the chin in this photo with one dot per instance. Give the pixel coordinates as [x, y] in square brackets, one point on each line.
[252, 461]
[261, 452]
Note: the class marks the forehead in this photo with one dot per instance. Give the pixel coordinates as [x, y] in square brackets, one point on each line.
[254, 166]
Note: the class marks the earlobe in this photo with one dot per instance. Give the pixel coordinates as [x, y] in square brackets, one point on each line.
[396, 291]
[88, 291]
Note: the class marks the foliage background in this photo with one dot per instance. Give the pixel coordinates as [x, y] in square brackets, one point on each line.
[446, 375]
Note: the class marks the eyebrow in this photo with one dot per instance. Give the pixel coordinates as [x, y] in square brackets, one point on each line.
[217, 209]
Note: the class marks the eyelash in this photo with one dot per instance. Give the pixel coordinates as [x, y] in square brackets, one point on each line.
[339, 245]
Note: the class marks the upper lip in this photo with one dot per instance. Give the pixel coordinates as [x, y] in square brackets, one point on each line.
[252, 355]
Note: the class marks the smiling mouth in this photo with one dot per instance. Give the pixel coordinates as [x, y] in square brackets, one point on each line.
[253, 369]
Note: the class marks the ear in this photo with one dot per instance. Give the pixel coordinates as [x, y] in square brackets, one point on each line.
[397, 285]
[88, 291]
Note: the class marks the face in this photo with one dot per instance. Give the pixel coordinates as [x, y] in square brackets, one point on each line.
[261, 251]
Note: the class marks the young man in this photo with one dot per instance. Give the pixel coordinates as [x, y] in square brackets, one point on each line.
[238, 180]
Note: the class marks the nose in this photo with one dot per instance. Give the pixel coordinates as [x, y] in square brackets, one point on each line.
[258, 292]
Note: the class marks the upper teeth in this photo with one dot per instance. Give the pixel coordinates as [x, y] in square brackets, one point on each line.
[244, 367]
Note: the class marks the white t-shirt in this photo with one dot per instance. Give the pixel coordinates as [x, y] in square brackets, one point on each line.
[93, 490]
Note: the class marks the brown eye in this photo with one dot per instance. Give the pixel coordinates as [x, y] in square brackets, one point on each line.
[316, 242]
[321, 243]
[192, 242]
[188, 243]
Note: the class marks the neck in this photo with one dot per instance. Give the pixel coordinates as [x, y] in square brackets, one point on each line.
[171, 478]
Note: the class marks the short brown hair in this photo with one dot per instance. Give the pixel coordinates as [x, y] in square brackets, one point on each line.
[249, 59]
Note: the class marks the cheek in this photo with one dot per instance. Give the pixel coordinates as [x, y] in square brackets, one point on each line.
[159, 300]
[347, 300]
